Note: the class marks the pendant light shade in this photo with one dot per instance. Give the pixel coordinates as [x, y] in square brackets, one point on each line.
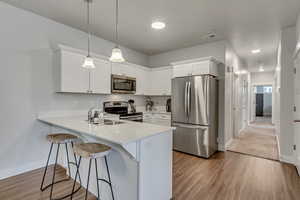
[88, 63]
[116, 54]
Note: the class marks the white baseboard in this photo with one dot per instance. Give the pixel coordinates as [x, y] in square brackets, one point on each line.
[224, 147]
[228, 143]
[287, 159]
[21, 169]
[221, 147]
[278, 144]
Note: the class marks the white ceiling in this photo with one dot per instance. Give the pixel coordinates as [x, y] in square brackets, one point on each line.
[247, 24]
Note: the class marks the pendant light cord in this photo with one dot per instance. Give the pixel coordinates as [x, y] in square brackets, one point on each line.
[88, 25]
[117, 20]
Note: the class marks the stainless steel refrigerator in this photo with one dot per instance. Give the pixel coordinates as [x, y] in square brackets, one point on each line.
[195, 114]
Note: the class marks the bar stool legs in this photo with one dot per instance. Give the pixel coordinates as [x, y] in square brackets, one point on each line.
[97, 178]
[42, 187]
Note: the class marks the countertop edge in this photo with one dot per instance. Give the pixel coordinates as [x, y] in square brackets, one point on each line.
[44, 120]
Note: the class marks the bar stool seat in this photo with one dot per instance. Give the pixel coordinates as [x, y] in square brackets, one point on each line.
[61, 138]
[92, 151]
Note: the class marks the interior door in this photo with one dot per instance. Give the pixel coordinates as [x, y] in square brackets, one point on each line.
[179, 97]
[198, 94]
[259, 105]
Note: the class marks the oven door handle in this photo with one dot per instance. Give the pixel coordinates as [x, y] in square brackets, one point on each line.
[132, 117]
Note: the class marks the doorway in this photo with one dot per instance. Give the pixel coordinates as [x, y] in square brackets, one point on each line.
[263, 105]
[258, 137]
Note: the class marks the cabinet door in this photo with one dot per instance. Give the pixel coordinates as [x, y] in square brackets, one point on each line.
[201, 68]
[101, 77]
[123, 69]
[74, 78]
[161, 82]
[142, 81]
[182, 70]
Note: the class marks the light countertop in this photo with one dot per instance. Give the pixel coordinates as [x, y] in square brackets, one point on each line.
[120, 134]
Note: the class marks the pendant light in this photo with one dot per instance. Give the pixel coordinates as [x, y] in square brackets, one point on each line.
[116, 55]
[88, 61]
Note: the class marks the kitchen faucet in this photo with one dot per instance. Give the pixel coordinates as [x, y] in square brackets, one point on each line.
[90, 115]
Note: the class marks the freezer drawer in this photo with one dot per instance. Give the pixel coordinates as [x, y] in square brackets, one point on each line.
[196, 140]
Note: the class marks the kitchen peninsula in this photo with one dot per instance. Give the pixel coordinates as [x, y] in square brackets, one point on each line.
[141, 160]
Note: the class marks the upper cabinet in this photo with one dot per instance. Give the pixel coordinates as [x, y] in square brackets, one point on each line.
[100, 77]
[136, 71]
[201, 66]
[160, 83]
[71, 77]
[124, 69]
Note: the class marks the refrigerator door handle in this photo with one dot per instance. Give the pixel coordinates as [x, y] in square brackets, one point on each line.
[206, 95]
[190, 126]
[189, 98]
[185, 99]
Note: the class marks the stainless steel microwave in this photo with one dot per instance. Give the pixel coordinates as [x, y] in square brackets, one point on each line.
[123, 84]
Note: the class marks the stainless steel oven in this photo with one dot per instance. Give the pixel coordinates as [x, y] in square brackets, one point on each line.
[123, 84]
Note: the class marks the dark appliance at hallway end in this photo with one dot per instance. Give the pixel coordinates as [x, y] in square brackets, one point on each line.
[195, 114]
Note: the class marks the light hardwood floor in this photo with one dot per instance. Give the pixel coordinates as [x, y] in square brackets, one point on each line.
[256, 141]
[225, 176]
[233, 176]
[27, 187]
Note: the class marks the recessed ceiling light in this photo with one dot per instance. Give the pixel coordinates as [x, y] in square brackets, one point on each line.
[158, 25]
[255, 51]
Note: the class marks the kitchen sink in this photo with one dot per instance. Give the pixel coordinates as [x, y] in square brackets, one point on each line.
[111, 122]
[108, 122]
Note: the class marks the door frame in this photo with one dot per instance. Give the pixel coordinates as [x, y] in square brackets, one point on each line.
[235, 103]
[253, 99]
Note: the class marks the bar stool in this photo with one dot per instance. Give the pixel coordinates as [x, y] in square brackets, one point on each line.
[93, 151]
[60, 138]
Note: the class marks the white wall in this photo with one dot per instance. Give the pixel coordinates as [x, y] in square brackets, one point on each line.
[262, 78]
[267, 110]
[27, 84]
[215, 49]
[233, 108]
[276, 93]
[288, 45]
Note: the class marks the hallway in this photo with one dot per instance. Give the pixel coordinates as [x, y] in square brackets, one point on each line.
[256, 141]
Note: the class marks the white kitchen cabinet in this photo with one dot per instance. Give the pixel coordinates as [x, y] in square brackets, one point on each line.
[160, 81]
[182, 70]
[72, 77]
[101, 77]
[142, 80]
[200, 66]
[131, 70]
[124, 69]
